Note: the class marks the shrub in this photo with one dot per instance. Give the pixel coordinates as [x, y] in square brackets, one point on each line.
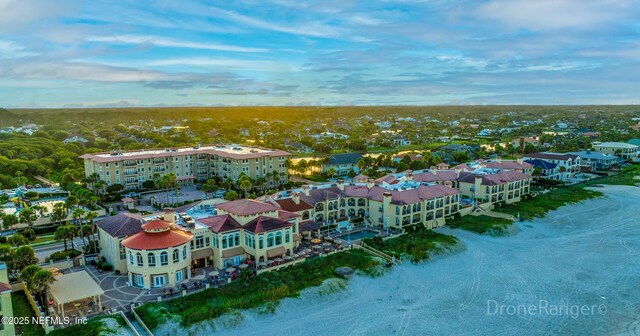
[62, 255]
[29, 234]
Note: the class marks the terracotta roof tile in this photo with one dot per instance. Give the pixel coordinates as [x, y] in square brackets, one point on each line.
[264, 224]
[246, 207]
[222, 223]
[157, 240]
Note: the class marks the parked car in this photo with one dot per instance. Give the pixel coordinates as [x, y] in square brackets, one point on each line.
[220, 193]
[131, 195]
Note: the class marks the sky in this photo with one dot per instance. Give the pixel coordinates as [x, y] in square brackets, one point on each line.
[98, 53]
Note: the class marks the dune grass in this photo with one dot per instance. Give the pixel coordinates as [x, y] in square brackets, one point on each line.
[253, 291]
[482, 224]
[417, 244]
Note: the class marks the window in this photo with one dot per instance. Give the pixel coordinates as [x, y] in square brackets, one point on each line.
[176, 256]
[279, 238]
[270, 240]
[224, 242]
[151, 258]
[287, 236]
[199, 242]
[139, 258]
[123, 253]
[184, 253]
[237, 239]
[130, 258]
[164, 258]
[261, 242]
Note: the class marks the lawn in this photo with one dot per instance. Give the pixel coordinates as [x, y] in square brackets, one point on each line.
[480, 224]
[625, 177]
[417, 244]
[539, 206]
[41, 240]
[254, 291]
[22, 308]
[93, 327]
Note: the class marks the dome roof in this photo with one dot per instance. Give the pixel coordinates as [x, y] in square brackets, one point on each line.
[156, 225]
[149, 240]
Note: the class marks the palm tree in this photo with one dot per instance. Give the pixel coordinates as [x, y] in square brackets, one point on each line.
[58, 213]
[62, 234]
[537, 172]
[70, 202]
[24, 256]
[98, 188]
[27, 216]
[8, 221]
[85, 232]
[77, 214]
[245, 184]
[332, 172]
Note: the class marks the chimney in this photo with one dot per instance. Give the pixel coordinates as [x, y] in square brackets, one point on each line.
[409, 176]
[169, 215]
[370, 183]
[340, 184]
[386, 198]
[520, 160]
[295, 197]
[305, 190]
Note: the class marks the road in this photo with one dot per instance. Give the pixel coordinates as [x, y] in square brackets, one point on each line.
[44, 251]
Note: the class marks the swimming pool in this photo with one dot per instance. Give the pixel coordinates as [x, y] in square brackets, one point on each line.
[358, 235]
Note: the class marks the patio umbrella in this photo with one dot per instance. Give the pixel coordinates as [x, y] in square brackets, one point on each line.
[278, 260]
[214, 273]
[243, 266]
[230, 269]
[262, 264]
[288, 257]
[317, 247]
[326, 244]
[306, 251]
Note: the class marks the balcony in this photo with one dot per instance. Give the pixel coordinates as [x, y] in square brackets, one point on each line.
[130, 163]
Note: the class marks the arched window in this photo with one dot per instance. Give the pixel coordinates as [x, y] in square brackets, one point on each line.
[130, 258]
[139, 258]
[287, 236]
[279, 238]
[261, 242]
[176, 255]
[164, 258]
[237, 239]
[270, 240]
[184, 253]
[151, 259]
[225, 244]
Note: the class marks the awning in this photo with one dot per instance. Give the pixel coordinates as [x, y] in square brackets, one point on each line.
[233, 252]
[276, 252]
[74, 287]
[201, 253]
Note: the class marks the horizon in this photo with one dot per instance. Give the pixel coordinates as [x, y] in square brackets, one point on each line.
[73, 54]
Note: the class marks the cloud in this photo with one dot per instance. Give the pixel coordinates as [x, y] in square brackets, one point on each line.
[223, 63]
[541, 15]
[15, 14]
[168, 43]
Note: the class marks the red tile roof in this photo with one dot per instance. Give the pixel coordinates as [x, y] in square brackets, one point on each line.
[442, 175]
[157, 240]
[156, 224]
[246, 207]
[220, 223]
[286, 215]
[264, 224]
[289, 205]
[494, 179]
[508, 165]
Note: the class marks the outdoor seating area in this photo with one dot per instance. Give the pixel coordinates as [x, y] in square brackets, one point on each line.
[74, 295]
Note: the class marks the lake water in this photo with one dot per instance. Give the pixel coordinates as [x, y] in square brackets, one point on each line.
[537, 282]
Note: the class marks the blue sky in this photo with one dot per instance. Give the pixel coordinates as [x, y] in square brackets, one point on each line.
[338, 52]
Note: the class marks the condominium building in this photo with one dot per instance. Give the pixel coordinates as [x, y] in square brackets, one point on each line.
[396, 205]
[622, 150]
[492, 187]
[190, 164]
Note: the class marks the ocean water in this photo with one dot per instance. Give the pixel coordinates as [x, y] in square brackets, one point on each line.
[574, 272]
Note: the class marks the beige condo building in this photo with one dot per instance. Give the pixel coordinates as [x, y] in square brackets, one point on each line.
[190, 164]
